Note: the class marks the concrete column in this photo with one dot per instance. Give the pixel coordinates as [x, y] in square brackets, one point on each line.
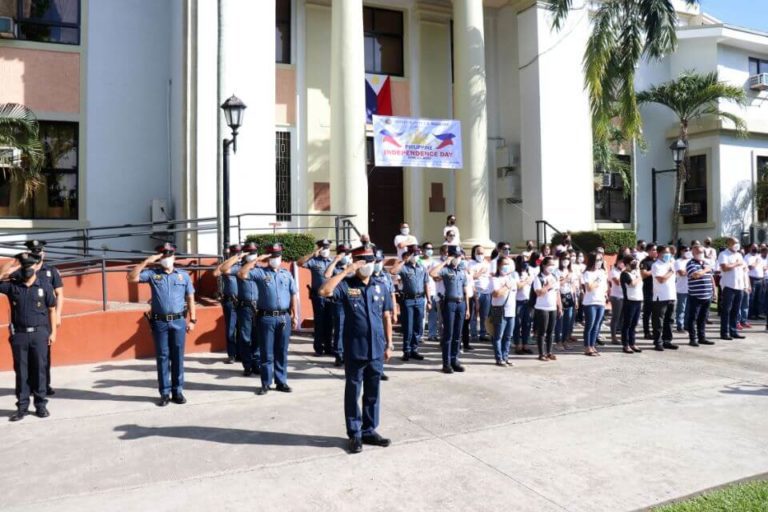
[470, 102]
[349, 180]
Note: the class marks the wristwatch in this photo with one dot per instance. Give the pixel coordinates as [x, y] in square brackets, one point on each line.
[193, 320]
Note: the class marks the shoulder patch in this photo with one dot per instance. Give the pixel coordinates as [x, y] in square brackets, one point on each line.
[157, 277]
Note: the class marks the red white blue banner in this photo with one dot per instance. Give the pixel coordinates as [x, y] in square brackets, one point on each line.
[407, 142]
[378, 96]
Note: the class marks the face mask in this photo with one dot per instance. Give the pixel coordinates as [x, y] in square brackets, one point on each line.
[344, 261]
[550, 269]
[451, 222]
[666, 258]
[506, 269]
[27, 273]
[736, 247]
[366, 270]
[580, 259]
[325, 253]
[251, 257]
[479, 258]
[275, 262]
[688, 255]
[167, 263]
[378, 267]
[505, 252]
[455, 262]
[563, 265]
[428, 252]
[404, 231]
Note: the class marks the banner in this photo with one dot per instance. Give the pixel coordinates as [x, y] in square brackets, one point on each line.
[406, 142]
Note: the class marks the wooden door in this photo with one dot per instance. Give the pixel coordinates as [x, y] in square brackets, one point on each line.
[385, 203]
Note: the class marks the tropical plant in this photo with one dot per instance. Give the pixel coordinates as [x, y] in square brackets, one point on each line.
[605, 157]
[694, 96]
[19, 131]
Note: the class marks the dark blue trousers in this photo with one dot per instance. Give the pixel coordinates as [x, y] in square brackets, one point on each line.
[274, 334]
[730, 304]
[230, 327]
[630, 316]
[322, 313]
[453, 321]
[362, 376]
[413, 324]
[338, 329]
[248, 343]
[30, 354]
[522, 330]
[696, 318]
[169, 340]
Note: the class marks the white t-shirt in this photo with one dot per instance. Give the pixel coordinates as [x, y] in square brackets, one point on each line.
[667, 289]
[431, 284]
[616, 290]
[733, 278]
[711, 256]
[681, 281]
[409, 239]
[640, 255]
[595, 297]
[523, 290]
[566, 280]
[508, 301]
[483, 283]
[758, 271]
[635, 293]
[457, 235]
[548, 301]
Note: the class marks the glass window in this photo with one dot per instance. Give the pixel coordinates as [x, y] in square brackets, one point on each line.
[283, 175]
[612, 202]
[283, 32]
[761, 189]
[383, 41]
[694, 208]
[757, 66]
[57, 196]
[51, 21]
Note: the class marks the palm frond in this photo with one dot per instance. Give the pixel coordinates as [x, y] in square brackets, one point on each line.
[560, 10]
[19, 130]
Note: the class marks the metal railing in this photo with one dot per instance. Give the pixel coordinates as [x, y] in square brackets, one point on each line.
[543, 236]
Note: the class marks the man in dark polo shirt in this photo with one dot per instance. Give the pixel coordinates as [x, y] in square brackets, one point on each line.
[645, 272]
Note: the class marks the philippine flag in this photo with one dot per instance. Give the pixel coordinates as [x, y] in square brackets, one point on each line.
[378, 96]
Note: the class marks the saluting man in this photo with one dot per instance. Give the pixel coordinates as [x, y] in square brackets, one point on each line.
[172, 297]
[276, 315]
[322, 308]
[455, 306]
[384, 280]
[415, 282]
[367, 345]
[229, 298]
[337, 266]
[33, 330]
[248, 346]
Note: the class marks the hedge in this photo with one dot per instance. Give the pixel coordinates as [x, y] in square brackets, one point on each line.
[720, 243]
[610, 240]
[295, 245]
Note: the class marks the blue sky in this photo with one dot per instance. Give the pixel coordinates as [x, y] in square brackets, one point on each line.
[744, 13]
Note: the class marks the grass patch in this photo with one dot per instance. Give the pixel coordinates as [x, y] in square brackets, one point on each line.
[747, 497]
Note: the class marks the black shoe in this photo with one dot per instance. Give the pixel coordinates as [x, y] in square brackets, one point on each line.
[485, 337]
[636, 349]
[406, 357]
[727, 338]
[706, 342]
[527, 351]
[164, 400]
[283, 388]
[238, 359]
[738, 336]
[693, 343]
[647, 337]
[670, 346]
[447, 369]
[376, 440]
[601, 342]
[384, 376]
[19, 415]
[355, 445]
[458, 368]
[417, 356]
[179, 399]
[263, 390]
[318, 354]
[338, 362]
[247, 372]
[42, 411]
[50, 392]
[229, 360]
[658, 348]
[468, 348]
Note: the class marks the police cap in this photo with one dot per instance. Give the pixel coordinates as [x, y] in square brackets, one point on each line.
[35, 246]
[275, 249]
[235, 249]
[342, 248]
[364, 253]
[251, 248]
[323, 244]
[454, 250]
[166, 249]
[414, 249]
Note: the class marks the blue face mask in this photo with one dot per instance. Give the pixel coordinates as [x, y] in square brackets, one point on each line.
[345, 260]
[667, 258]
[506, 269]
[428, 252]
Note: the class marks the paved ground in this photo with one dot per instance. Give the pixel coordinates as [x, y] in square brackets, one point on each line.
[613, 433]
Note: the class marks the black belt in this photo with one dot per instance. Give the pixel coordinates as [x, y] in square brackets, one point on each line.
[449, 299]
[413, 295]
[18, 329]
[280, 312]
[166, 318]
[228, 298]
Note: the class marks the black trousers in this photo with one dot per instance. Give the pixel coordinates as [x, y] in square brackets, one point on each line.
[647, 314]
[544, 323]
[30, 359]
[663, 315]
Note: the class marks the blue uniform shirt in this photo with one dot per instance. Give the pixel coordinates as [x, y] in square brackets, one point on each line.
[229, 281]
[413, 278]
[364, 307]
[246, 290]
[385, 280]
[275, 288]
[454, 281]
[29, 305]
[317, 266]
[169, 291]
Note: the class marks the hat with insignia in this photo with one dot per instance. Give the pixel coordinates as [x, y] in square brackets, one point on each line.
[166, 248]
[342, 248]
[250, 247]
[235, 249]
[275, 249]
[364, 252]
[454, 250]
[379, 255]
[324, 243]
[413, 249]
[35, 246]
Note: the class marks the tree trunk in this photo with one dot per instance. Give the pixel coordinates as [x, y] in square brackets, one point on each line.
[682, 175]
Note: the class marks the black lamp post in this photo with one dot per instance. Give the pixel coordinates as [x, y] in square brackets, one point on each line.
[678, 148]
[233, 109]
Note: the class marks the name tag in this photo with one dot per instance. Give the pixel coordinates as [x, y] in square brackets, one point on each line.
[40, 292]
[181, 278]
[355, 293]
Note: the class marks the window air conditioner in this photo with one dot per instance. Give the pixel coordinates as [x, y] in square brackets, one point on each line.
[9, 157]
[759, 82]
[607, 180]
[509, 186]
[690, 209]
[7, 28]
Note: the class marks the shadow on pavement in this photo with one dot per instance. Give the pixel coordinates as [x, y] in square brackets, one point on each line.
[87, 394]
[747, 389]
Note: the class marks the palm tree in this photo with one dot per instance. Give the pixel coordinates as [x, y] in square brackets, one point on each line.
[19, 131]
[623, 33]
[694, 96]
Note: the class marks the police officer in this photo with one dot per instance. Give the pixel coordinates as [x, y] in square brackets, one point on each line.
[455, 306]
[383, 279]
[33, 330]
[337, 266]
[415, 283]
[277, 313]
[171, 290]
[229, 298]
[322, 308]
[367, 345]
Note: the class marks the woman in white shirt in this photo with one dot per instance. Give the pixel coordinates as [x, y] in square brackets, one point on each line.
[632, 288]
[479, 271]
[595, 289]
[681, 284]
[522, 330]
[503, 306]
[547, 308]
[450, 225]
[617, 299]
[564, 324]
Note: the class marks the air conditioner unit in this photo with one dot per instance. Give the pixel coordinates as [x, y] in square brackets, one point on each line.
[508, 156]
[607, 180]
[9, 157]
[7, 28]
[509, 186]
[759, 233]
[690, 209]
[759, 82]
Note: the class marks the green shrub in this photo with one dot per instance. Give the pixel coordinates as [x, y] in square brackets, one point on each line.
[295, 245]
[719, 243]
[610, 240]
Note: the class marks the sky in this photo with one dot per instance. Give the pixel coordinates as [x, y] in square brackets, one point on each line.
[744, 13]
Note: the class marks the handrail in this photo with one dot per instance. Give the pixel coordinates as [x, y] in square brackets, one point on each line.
[541, 234]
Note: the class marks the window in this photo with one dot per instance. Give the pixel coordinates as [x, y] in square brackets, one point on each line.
[283, 175]
[57, 197]
[757, 66]
[695, 193]
[49, 21]
[761, 190]
[612, 202]
[283, 32]
[383, 41]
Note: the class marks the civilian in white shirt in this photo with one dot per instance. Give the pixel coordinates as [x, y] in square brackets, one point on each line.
[640, 253]
[564, 325]
[616, 296]
[404, 239]
[595, 282]
[522, 329]
[433, 315]
[763, 307]
[664, 294]
[732, 282]
[756, 266]
[632, 287]
[547, 308]
[450, 225]
[503, 306]
[479, 271]
[681, 284]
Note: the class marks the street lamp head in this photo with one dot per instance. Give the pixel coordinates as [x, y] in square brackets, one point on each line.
[233, 109]
[679, 147]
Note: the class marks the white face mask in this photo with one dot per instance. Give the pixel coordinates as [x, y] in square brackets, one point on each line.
[275, 262]
[344, 261]
[688, 255]
[736, 247]
[378, 267]
[251, 257]
[167, 263]
[479, 258]
[580, 259]
[366, 270]
[455, 262]
[550, 269]
[404, 231]
[325, 253]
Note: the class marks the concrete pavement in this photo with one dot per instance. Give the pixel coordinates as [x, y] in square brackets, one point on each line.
[618, 432]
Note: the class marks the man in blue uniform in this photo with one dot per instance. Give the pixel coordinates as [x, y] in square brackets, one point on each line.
[172, 296]
[33, 330]
[415, 290]
[367, 345]
[383, 279]
[454, 306]
[276, 315]
[229, 298]
[337, 266]
[322, 308]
